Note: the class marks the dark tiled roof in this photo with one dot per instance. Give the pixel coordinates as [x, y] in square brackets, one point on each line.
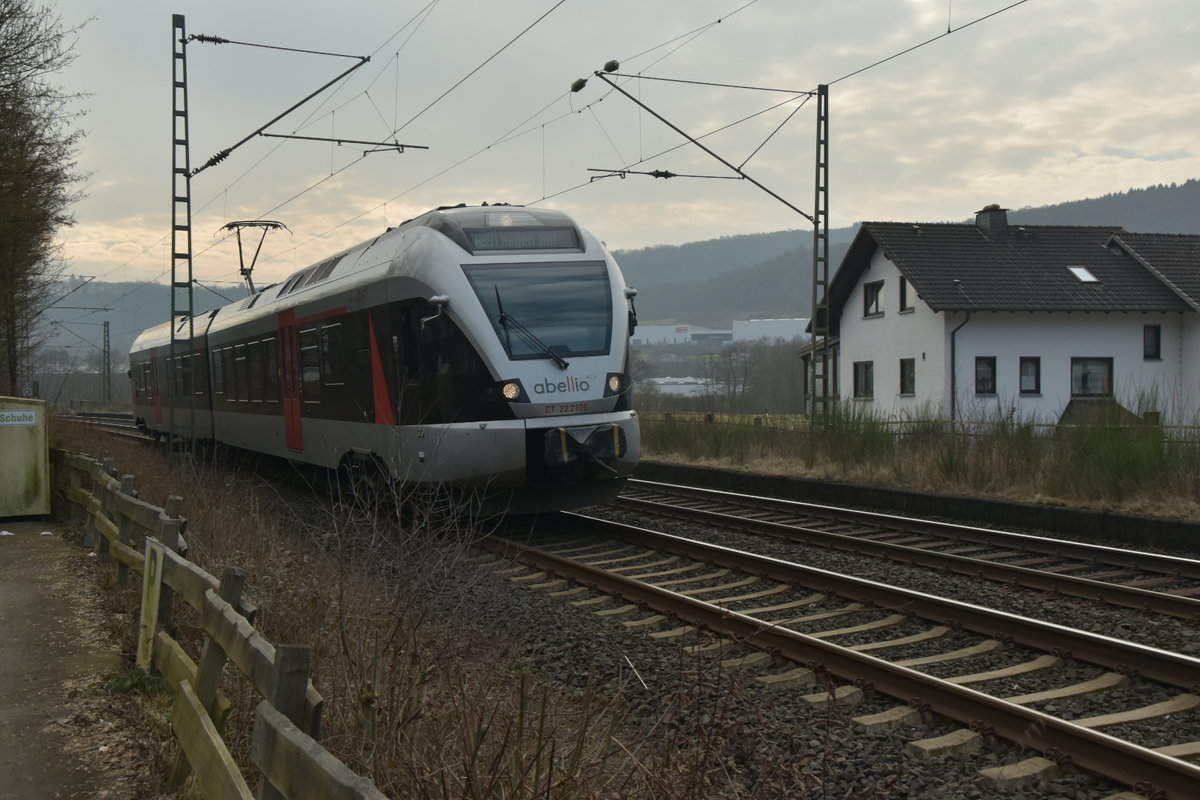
[957, 267]
[1173, 256]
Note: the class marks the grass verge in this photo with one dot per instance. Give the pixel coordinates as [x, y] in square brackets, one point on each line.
[418, 696]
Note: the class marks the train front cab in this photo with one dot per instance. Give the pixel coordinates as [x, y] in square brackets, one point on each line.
[456, 426]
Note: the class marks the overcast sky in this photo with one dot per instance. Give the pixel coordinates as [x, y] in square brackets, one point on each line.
[1049, 101]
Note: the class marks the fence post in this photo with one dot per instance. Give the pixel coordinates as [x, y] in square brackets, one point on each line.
[169, 525]
[288, 688]
[76, 483]
[208, 673]
[125, 531]
[101, 492]
[89, 526]
[151, 587]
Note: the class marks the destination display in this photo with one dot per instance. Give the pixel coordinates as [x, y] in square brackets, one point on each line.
[523, 239]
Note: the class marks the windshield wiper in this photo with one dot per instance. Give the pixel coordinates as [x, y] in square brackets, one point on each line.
[531, 340]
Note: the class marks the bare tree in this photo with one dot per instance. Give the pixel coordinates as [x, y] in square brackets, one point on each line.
[38, 175]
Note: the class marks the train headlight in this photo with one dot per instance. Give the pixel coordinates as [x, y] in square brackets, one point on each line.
[511, 391]
[617, 383]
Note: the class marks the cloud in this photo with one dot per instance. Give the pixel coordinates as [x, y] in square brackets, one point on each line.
[1124, 152]
[1046, 102]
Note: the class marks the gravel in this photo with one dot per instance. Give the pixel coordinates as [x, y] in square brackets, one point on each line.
[771, 738]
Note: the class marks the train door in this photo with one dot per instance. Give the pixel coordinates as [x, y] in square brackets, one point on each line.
[157, 387]
[289, 367]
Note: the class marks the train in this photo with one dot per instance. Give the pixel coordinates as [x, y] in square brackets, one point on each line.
[483, 348]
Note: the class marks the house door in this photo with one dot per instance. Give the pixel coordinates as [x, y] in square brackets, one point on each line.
[289, 367]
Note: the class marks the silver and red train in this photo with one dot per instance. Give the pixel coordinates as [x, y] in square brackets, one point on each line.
[481, 347]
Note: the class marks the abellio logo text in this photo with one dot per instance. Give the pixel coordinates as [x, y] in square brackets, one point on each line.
[568, 384]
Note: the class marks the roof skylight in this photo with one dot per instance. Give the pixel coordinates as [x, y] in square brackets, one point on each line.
[1084, 275]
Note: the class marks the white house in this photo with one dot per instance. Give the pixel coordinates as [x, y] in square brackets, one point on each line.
[974, 321]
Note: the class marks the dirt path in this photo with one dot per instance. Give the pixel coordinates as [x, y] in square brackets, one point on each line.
[47, 641]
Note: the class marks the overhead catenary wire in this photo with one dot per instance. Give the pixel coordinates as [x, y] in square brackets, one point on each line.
[509, 135]
[643, 77]
[423, 15]
[931, 40]
[419, 18]
[486, 61]
[223, 193]
[859, 71]
[687, 38]
[515, 133]
[512, 133]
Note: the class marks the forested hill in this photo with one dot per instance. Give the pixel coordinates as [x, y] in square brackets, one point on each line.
[778, 288]
[78, 317]
[1173, 208]
[702, 283]
[714, 282]
[698, 261]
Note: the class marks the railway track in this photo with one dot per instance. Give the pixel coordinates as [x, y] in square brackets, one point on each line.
[1046, 687]
[1162, 584]
[119, 425]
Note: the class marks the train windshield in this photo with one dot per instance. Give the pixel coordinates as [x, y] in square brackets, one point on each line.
[567, 306]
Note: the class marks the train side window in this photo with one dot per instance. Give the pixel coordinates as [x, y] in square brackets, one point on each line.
[254, 357]
[271, 365]
[160, 373]
[230, 374]
[310, 366]
[183, 375]
[410, 337]
[332, 358]
[218, 374]
[199, 374]
[240, 368]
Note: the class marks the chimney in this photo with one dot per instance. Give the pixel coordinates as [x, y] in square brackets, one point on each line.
[992, 221]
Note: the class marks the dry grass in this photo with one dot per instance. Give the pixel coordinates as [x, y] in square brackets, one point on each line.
[1121, 470]
[417, 697]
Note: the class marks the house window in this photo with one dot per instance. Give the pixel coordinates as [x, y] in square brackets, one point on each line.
[873, 299]
[908, 376]
[1152, 342]
[1031, 375]
[985, 375]
[905, 295]
[864, 379]
[1091, 377]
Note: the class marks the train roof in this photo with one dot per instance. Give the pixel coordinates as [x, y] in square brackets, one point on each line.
[485, 230]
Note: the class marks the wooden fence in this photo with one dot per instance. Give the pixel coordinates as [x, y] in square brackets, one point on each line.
[150, 540]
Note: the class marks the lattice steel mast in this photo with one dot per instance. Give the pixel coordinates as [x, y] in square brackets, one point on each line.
[820, 361]
[180, 368]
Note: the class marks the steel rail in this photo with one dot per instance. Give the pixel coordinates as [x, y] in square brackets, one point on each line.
[1119, 655]
[1028, 577]
[1098, 752]
[1115, 556]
